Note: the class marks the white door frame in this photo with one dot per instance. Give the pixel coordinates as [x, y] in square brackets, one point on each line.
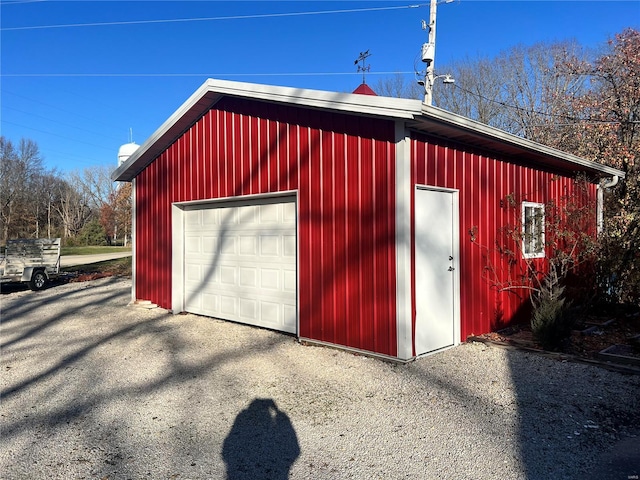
[455, 263]
[177, 241]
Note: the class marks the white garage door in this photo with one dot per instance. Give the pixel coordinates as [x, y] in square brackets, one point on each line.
[240, 262]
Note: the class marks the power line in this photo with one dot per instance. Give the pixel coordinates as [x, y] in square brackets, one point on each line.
[58, 122]
[71, 157]
[18, 2]
[41, 103]
[56, 135]
[528, 110]
[216, 75]
[583, 122]
[211, 19]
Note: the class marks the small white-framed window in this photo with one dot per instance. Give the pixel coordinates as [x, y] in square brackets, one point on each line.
[532, 230]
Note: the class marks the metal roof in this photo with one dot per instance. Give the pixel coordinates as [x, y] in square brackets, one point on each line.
[418, 116]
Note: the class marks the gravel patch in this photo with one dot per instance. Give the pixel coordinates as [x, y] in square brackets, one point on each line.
[91, 388]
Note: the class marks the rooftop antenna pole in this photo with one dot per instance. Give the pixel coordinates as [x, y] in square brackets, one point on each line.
[429, 50]
[130, 135]
[429, 53]
[364, 67]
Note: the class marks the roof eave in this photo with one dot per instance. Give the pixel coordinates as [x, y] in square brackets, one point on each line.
[212, 90]
[431, 116]
[425, 118]
[172, 128]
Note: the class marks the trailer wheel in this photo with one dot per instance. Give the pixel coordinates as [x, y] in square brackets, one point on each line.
[38, 280]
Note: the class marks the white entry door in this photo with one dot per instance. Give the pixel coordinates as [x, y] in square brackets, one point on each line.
[240, 262]
[435, 230]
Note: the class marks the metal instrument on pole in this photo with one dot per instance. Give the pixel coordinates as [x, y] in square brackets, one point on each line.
[428, 53]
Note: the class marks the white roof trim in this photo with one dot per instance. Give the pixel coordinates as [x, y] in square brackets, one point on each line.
[347, 102]
[500, 135]
[413, 111]
[212, 90]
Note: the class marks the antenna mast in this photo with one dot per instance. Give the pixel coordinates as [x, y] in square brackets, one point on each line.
[429, 51]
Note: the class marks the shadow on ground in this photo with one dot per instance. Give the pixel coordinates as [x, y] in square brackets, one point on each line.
[262, 443]
[91, 388]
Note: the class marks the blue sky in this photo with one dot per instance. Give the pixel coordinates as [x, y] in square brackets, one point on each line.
[77, 90]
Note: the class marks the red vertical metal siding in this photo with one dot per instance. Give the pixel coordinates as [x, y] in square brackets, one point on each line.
[343, 168]
[483, 182]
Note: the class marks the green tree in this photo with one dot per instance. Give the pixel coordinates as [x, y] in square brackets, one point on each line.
[93, 234]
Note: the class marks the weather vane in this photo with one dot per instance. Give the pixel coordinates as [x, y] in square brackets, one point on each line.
[364, 68]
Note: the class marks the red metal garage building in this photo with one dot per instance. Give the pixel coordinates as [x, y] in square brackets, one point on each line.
[340, 218]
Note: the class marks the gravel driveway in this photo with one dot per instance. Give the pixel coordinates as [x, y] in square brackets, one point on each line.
[91, 388]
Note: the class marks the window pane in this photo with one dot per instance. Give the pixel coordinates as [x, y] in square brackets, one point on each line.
[533, 229]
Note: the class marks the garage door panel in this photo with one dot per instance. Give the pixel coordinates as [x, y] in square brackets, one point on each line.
[192, 245]
[270, 278]
[210, 302]
[248, 215]
[228, 275]
[193, 300]
[248, 277]
[290, 314]
[270, 312]
[228, 245]
[248, 245]
[227, 217]
[270, 214]
[289, 213]
[248, 310]
[289, 246]
[193, 273]
[289, 282]
[210, 218]
[270, 245]
[193, 218]
[240, 264]
[229, 306]
[209, 245]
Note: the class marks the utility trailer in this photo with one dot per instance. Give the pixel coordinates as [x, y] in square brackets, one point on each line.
[31, 261]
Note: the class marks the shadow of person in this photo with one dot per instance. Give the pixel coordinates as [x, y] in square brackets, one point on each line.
[262, 443]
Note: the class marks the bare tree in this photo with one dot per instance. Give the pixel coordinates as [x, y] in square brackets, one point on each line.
[398, 86]
[47, 223]
[104, 199]
[95, 184]
[477, 93]
[35, 202]
[73, 207]
[520, 90]
[561, 95]
[20, 169]
[122, 207]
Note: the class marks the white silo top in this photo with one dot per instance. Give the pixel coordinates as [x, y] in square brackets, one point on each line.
[126, 151]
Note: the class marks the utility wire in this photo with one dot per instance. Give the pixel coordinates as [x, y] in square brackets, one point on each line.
[72, 157]
[527, 110]
[58, 122]
[57, 135]
[216, 75]
[18, 2]
[41, 103]
[211, 19]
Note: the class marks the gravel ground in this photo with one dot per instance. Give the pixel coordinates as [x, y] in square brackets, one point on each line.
[91, 388]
